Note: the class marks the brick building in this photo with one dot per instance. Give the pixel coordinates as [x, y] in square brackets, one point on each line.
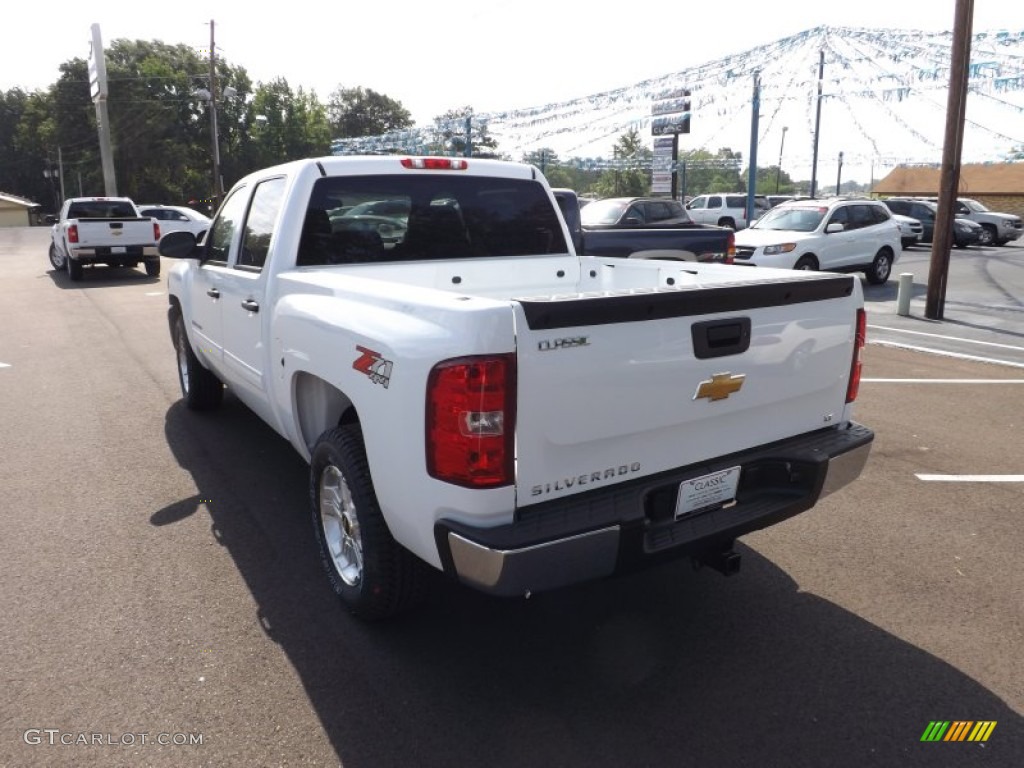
[999, 186]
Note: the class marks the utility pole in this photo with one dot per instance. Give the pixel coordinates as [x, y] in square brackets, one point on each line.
[752, 172]
[949, 184]
[218, 186]
[839, 173]
[778, 168]
[99, 92]
[817, 125]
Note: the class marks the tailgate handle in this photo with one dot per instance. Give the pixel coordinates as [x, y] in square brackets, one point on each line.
[718, 338]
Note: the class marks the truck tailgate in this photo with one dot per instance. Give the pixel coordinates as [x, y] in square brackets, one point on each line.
[618, 386]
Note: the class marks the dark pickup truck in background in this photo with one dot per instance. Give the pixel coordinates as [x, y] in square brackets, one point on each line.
[638, 237]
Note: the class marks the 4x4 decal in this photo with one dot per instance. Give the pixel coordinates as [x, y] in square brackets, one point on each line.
[371, 364]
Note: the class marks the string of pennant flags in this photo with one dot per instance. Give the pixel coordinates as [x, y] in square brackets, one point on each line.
[882, 89]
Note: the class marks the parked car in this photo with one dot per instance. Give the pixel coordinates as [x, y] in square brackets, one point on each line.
[837, 235]
[999, 228]
[633, 213]
[965, 231]
[910, 229]
[177, 218]
[725, 210]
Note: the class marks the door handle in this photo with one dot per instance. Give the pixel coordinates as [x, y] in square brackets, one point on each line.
[252, 306]
[213, 293]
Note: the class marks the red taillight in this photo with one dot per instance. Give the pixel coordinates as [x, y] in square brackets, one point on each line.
[73, 233]
[435, 163]
[855, 367]
[730, 254]
[156, 231]
[471, 421]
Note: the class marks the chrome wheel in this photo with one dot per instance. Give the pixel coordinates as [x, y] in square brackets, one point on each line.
[341, 526]
[56, 259]
[182, 346]
[987, 236]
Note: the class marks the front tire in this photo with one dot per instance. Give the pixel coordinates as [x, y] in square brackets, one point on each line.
[880, 269]
[373, 575]
[988, 235]
[806, 263]
[200, 388]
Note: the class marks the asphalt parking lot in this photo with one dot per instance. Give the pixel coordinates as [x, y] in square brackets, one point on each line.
[162, 603]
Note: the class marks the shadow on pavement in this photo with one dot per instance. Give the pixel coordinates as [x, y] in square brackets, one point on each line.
[103, 277]
[669, 667]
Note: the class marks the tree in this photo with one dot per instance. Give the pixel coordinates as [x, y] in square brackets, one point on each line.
[353, 112]
[769, 178]
[632, 176]
[707, 172]
[450, 134]
[293, 125]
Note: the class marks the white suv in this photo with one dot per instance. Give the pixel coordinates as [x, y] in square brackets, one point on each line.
[725, 210]
[836, 235]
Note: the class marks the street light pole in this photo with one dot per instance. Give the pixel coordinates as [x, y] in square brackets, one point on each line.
[778, 169]
[218, 190]
[839, 174]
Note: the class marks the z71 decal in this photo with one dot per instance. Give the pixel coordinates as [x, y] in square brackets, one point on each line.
[374, 366]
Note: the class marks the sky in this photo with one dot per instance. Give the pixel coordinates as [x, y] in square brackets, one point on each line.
[432, 57]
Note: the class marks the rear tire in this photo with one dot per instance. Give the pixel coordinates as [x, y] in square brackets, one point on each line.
[727, 223]
[200, 388]
[880, 269]
[373, 575]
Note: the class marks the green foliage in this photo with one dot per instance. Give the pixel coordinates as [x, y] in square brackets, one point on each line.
[450, 135]
[354, 112]
[706, 172]
[634, 177]
[160, 127]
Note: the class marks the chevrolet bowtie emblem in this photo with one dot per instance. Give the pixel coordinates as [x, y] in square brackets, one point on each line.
[719, 386]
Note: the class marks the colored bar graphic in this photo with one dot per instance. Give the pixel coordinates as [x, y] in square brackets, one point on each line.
[958, 730]
[935, 731]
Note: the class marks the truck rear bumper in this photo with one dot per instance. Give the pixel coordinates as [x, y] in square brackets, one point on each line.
[633, 524]
[118, 254]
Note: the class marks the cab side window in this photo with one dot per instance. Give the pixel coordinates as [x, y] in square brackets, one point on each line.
[259, 224]
[222, 231]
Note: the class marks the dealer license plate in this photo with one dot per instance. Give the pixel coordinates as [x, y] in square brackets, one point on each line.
[707, 491]
[118, 249]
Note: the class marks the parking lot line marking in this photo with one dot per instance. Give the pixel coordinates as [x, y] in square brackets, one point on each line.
[155, 293]
[5, 365]
[971, 478]
[947, 338]
[942, 353]
[943, 381]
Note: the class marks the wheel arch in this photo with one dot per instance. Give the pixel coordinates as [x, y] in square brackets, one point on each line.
[319, 406]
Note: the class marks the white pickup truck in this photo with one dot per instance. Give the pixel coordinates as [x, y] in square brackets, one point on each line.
[103, 230]
[472, 395]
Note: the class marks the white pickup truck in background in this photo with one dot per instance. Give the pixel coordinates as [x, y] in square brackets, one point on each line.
[473, 396]
[103, 230]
